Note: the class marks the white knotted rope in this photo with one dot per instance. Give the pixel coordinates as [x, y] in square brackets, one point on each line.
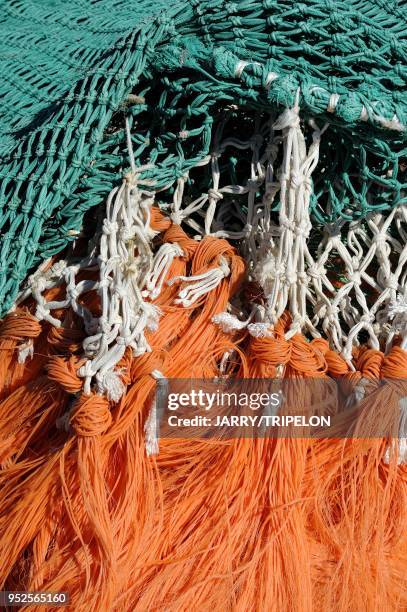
[282, 272]
[126, 261]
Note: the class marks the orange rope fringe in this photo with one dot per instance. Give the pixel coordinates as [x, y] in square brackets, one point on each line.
[265, 524]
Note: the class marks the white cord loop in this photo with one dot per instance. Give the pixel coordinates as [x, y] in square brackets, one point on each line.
[200, 284]
[161, 265]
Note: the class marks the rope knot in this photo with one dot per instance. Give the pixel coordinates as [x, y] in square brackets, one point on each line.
[214, 194]
[120, 290]
[259, 330]
[59, 267]
[288, 119]
[109, 227]
[86, 369]
[111, 384]
[287, 224]
[315, 272]
[127, 233]
[131, 268]
[253, 184]
[224, 266]
[303, 228]
[130, 179]
[398, 307]
[177, 217]
[298, 179]
[43, 313]
[279, 271]
[37, 283]
[331, 312]
[303, 278]
[391, 282]
[291, 277]
[380, 239]
[228, 322]
[91, 416]
[72, 293]
[355, 278]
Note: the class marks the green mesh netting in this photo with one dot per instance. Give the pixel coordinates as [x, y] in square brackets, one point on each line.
[70, 71]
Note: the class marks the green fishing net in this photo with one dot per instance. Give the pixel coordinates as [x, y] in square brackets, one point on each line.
[198, 81]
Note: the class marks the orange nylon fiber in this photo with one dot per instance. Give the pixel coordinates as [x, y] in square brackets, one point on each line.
[207, 524]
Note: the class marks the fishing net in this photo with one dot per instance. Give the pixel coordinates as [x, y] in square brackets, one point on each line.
[344, 279]
[207, 190]
[66, 80]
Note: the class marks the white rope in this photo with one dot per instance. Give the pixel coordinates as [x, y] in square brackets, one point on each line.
[161, 265]
[25, 351]
[402, 440]
[200, 284]
[150, 427]
[333, 102]
[282, 272]
[229, 323]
